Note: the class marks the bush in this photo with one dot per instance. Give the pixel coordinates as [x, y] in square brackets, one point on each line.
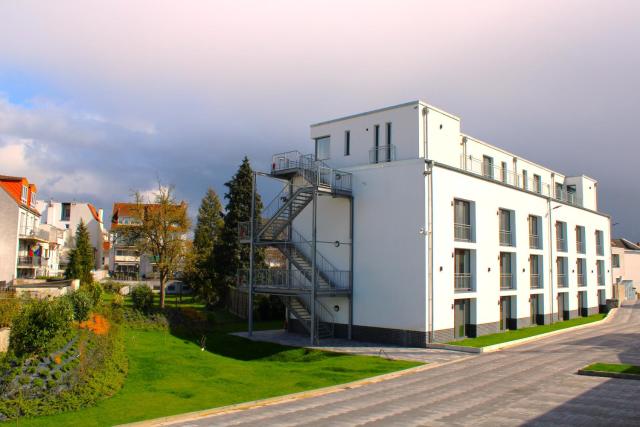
[9, 309]
[94, 290]
[142, 298]
[40, 322]
[112, 286]
[118, 301]
[82, 305]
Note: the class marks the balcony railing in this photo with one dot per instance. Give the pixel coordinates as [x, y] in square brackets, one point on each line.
[29, 261]
[600, 280]
[382, 154]
[562, 280]
[568, 197]
[462, 282]
[506, 281]
[581, 281]
[534, 241]
[536, 281]
[580, 247]
[462, 232]
[600, 250]
[561, 245]
[506, 238]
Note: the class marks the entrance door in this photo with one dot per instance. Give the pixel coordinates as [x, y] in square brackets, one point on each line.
[563, 311]
[460, 318]
[582, 303]
[505, 312]
[534, 309]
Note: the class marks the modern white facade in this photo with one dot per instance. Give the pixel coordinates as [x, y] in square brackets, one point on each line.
[448, 235]
[67, 216]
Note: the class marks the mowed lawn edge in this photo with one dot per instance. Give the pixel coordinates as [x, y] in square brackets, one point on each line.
[170, 375]
[616, 368]
[513, 335]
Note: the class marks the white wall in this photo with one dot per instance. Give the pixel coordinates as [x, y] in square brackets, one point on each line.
[8, 236]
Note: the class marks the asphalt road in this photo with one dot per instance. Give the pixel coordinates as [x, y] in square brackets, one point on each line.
[532, 384]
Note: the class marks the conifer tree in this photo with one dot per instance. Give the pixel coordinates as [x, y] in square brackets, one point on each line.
[81, 257]
[229, 255]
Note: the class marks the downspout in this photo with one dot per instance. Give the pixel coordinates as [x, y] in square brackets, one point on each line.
[550, 260]
[429, 174]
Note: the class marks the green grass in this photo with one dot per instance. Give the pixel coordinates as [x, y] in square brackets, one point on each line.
[170, 374]
[621, 368]
[502, 337]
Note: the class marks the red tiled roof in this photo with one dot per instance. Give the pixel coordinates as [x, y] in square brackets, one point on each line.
[94, 212]
[13, 186]
[125, 209]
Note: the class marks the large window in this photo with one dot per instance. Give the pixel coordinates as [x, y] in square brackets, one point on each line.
[535, 267]
[487, 166]
[323, 149]
[537, 184]
[65, 213]
[561, 236]
[561, 268]
[462, 220]
[615, 261]
[506, 271]
[535, 232]
[581, 268]
[506, 232]
[559, 191]
[462, 276]
[599, 243]
[600, 267]
[581, 246]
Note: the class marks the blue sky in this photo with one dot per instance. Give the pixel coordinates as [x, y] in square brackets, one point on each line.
[98, 99]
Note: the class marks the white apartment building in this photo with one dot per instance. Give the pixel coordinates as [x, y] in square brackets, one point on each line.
[424, 234]
[67, 216]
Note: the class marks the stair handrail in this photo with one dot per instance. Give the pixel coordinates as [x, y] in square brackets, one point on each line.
[316, 172]
[331, 274]
[281, 203]
[326, 314]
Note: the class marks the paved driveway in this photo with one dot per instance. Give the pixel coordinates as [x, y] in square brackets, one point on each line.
[533, 384]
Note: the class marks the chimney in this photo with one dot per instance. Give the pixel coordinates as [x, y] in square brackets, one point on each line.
[100, 212]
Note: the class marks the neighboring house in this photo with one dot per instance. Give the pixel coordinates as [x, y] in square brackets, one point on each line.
[125, 261]
[425, 234]
[625, 262]
[26, 250]
[67, 215]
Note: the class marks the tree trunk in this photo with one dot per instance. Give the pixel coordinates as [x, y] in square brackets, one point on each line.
[162, 280]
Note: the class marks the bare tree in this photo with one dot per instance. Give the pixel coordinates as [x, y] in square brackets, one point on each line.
[159, 230]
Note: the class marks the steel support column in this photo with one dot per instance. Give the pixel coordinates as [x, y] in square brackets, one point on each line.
[251, 251]
[314, 273]
[350, 326]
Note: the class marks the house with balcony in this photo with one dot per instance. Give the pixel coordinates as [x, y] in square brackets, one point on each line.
[400, 228]
[625, 263]
[67, 216]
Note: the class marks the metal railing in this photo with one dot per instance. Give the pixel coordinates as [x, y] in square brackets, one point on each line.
[534, 241]
[535, 281]
[562, 280]
[289, 279]
[581, 281]
[462, 232]
[561, 245]
[580, 247]
[462, 282]
[506, 281]
[506, 238]
[382, 154]
[600, 250]
[567, 197]
[315, 172]
[601, 279]
[29, 261]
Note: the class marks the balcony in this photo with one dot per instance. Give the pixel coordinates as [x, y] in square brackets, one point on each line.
[562, 281]
[462, 232]
[382, 154]
[581, 281]
[462, 282]
[506, 281]
[580, 247]
[561, 245]
[536, 281]
[506, 238]
[29, 261]
[29, 233]
[568, 197]
[534, 241]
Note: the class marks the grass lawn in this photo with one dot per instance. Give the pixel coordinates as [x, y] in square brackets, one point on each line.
[169, 375]
[620, 368]
[487, 340]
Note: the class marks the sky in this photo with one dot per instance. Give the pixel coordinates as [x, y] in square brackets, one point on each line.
[100, 99]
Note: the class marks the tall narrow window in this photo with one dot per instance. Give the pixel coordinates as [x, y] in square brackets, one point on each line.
[503, 172]
[559, 191]
[534, 271]
[65, 213]
[525, 180]
[615, 261]
[580, 269]
[581, 247]
[487, 166]
[506, 271]
[599, 243]
[600, 267]
[462, 274]
[323, 148]
[376, 143]
[506, 233]
[25, 194]
[561, 236]
[462, 220]
[535, 241]
[561, 268]
[347, 142]
[388, 150]
[537, 183]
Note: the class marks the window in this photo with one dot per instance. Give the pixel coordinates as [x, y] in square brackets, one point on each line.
[559, 191]
[600, 268]
[347, 143]
[525, 180]
[462, 220]
[599, 243]
[65, 213]
[25, 194]
[33, 199]
[323, 148]
[581, 247]
[535, 262]
[561, 236]
[535, 232]
[503, 172]
[506, 271]
[506, 233]
[561, 271]
[388, 147]
[487, 167]
[537, 184]
[462, 276]
[571, 194]
[615, 261]
[376, 143]
[580, 270]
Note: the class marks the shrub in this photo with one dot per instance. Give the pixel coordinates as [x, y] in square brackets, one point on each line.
[142, 298]
[112, 286]
[94, 290]
[118, 300]
[82, 305]
[9, 309]
[39, 323]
